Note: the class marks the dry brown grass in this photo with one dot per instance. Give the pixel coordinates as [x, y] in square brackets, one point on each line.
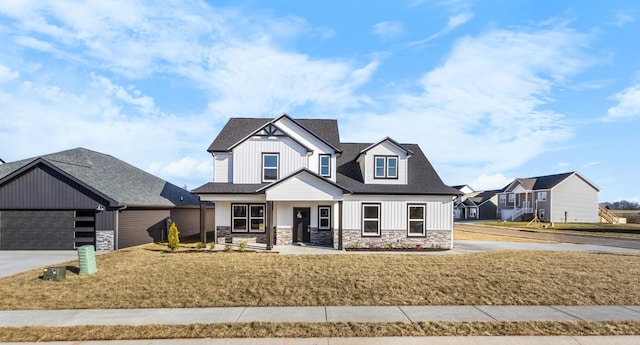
[629, 231]
[312, 330]
[149, 277]
[470, 235]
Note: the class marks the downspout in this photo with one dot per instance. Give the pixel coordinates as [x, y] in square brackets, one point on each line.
[116, 236]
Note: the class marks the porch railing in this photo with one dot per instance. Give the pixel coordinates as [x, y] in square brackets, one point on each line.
[516, 213]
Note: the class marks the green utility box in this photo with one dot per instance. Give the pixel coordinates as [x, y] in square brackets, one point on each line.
[87, 259]
[54, 273]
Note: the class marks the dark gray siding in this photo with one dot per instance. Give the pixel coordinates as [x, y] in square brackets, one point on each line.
[45, 188]
[106, 220]
[141, 226]
[187, 220]
[488, 211]
[21, 230]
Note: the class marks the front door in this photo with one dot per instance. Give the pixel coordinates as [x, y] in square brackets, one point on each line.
[301, 222]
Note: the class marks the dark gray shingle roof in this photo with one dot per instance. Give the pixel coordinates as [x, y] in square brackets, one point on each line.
[112, 177]
[423, 178]
[238, 128]
[538, 182]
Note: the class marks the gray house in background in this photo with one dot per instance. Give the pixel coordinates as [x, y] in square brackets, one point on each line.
[475, 205]
[568, 197]
[71, 198]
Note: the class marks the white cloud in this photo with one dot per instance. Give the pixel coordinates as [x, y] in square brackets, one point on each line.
[388, 30]
[6, 74]
[453, 22]
[628, 106]
[485, 105]
[590, 164]
[623, 18]
[489, 182]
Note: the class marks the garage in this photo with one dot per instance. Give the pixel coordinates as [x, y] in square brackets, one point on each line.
[67, 199]
[46, 230]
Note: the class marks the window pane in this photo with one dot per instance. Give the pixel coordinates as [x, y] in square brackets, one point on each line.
[392, 167]
[324, 165]
[240, 211]
[416, 227]
[257, 211]
[270, 161]
[240, 224]
[370, 226]
[380, 166]
[416, 212]
[371, 212]
[257, 224]
[324, 212]
[270, 174]
[324, 223]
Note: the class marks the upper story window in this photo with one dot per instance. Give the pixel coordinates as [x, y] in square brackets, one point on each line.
[386, 166]
[325, 165]
[542, 196]
[270, 166]
[502, 199]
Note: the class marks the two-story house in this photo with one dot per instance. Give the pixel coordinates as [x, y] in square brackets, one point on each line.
[567, 197]
[284, 180]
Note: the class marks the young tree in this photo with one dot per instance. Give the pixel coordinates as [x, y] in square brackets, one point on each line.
[174, 237]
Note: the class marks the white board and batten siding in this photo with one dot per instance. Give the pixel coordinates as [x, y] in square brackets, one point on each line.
[283, 212]
[385, 148]
[303, 187]
[439, 211]
[223, 167]
[313, 143]
[247, 161]
[576, 197]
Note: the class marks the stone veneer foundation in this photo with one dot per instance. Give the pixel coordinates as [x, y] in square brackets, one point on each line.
[394, 238]
[105, 240]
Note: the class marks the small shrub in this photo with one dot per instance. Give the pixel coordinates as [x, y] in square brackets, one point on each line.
[389, 245]
[212, 245]
[199, 245]
[227, 247]
[174, 237]
[243, 245]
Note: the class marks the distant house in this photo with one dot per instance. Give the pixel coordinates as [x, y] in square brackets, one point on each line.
[568, 197]
[71, 198]
[285, 180]
[475, 205]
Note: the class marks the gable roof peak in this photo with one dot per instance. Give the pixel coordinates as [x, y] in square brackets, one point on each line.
[389, 139]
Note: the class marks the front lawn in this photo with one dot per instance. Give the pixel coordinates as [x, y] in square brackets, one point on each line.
[150, 277]
[631, 231]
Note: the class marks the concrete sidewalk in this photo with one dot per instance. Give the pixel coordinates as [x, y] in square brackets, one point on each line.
[459, 340]
[135, 317]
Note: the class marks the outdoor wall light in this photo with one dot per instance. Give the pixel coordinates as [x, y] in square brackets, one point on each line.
[99, 208]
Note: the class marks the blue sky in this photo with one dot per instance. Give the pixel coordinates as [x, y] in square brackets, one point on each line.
[491, 90]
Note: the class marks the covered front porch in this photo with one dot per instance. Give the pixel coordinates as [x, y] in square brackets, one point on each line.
[520, 205]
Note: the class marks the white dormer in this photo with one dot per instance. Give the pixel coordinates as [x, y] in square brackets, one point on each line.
[385, 162]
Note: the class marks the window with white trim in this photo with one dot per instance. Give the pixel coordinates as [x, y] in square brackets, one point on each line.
[270, 166]
[542, 196]
[370, 219]
[512, 198]
[385, 166]
[325, 165]
[503, 199]
[416, 220]
[324, 217]
[247, 218]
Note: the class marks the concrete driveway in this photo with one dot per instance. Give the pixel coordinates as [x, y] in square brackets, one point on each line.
[16, 261]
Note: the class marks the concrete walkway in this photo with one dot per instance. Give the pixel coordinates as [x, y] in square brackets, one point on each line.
[474, 340]
[75, 317]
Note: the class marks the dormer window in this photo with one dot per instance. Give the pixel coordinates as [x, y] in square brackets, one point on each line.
[325, 165]
[386, 166]
[269, 167]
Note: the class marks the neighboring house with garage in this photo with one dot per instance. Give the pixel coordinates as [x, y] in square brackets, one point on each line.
[71, 198]
[475, 205]
[284, 180]
[568, 197]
